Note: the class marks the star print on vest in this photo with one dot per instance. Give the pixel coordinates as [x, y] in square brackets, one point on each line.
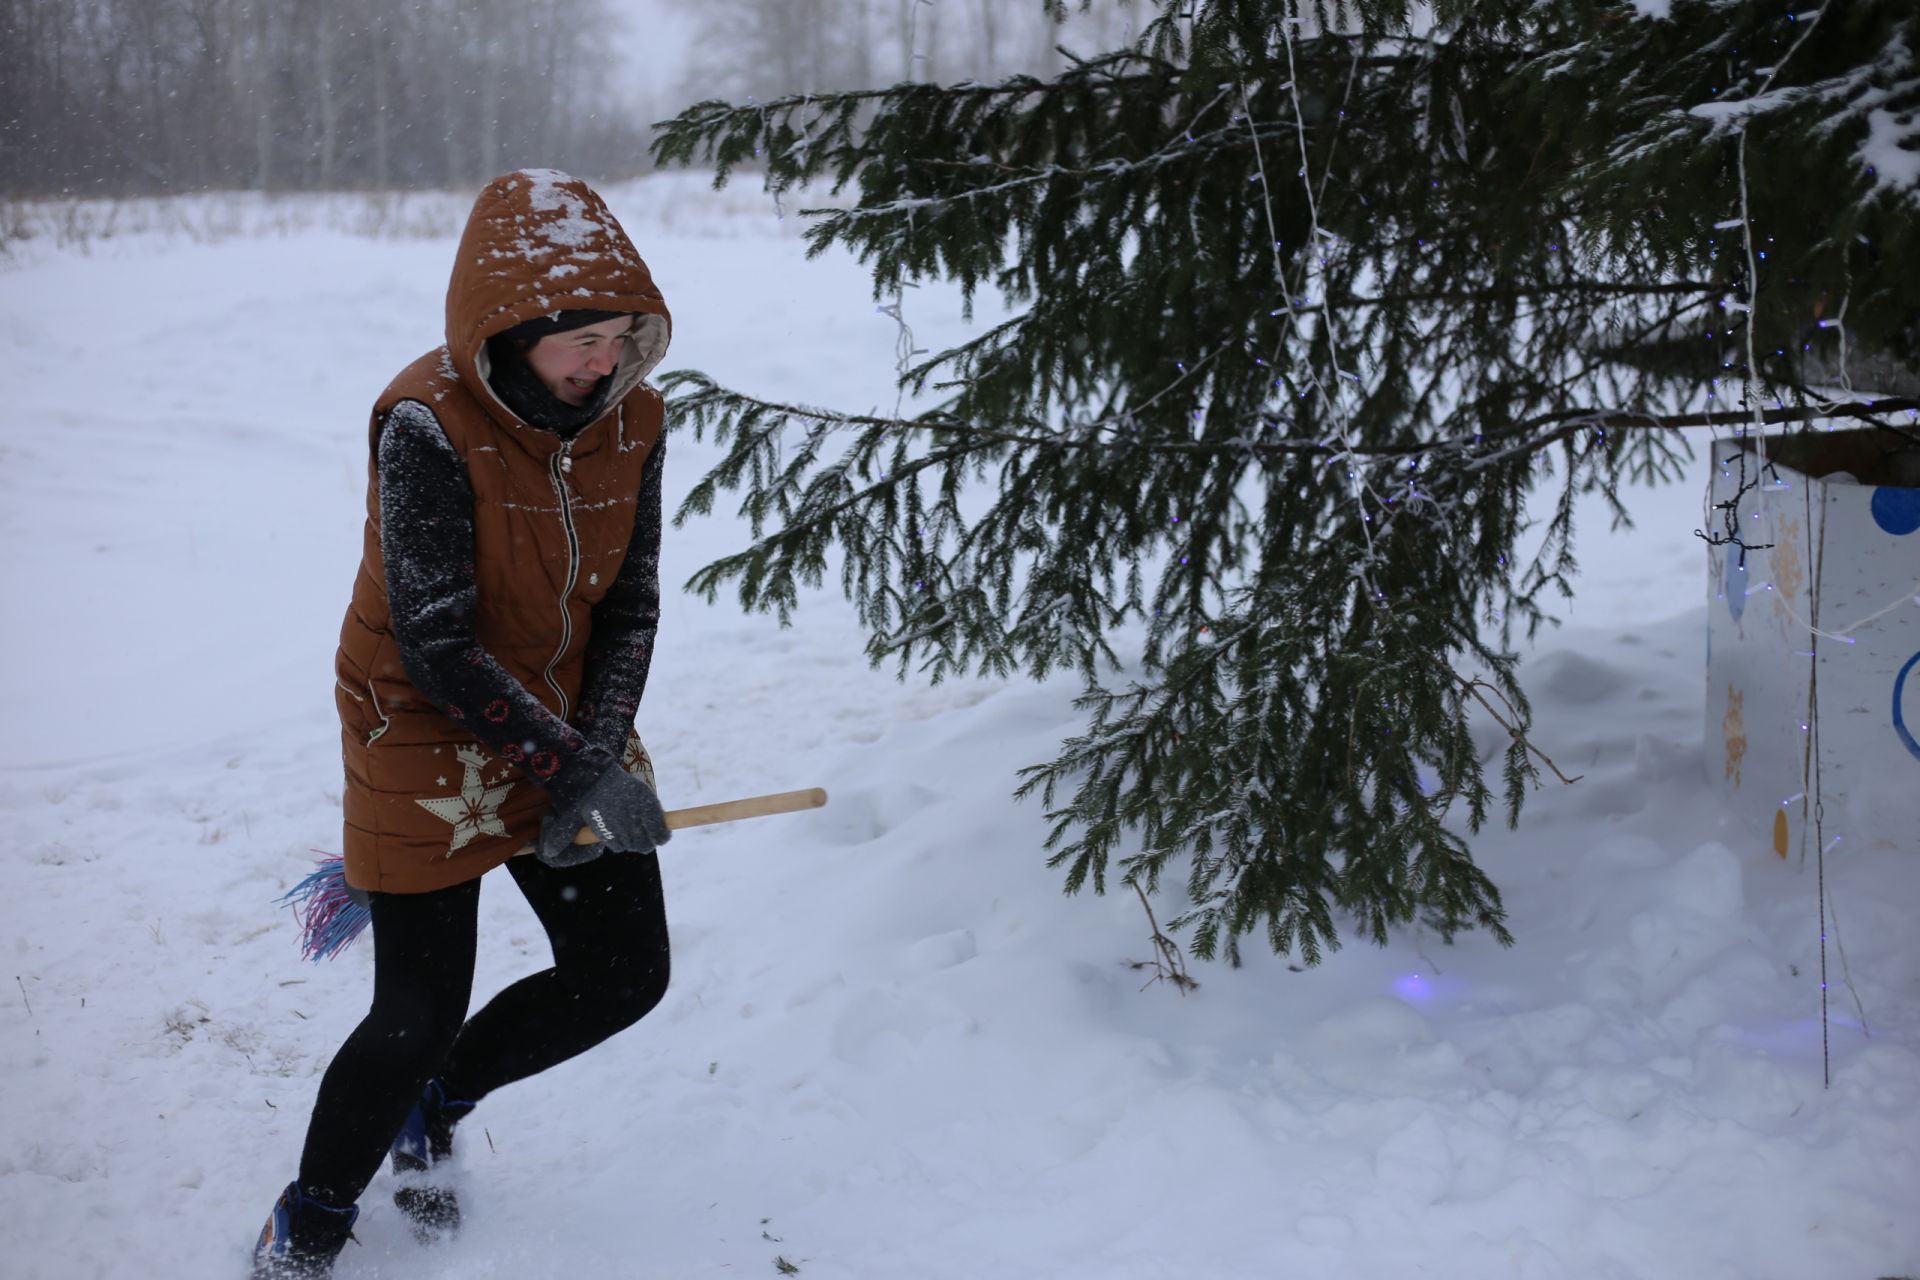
[635, 760]
[475, 811]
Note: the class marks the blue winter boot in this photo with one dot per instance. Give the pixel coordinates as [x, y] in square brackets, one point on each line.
[425, 1140]
[302, 1238]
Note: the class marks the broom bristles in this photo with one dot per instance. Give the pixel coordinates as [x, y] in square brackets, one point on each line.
[329, 917]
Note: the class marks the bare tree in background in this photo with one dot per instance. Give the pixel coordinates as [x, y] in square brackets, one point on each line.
[380, 172]
[926, 41]
[987, 23]
[261, 60]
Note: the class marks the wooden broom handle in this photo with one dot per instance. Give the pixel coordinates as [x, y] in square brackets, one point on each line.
[704, 815]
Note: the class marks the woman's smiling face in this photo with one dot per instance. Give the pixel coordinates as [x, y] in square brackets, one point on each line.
[571, 364]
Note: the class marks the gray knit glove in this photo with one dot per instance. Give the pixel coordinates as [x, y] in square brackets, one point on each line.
[621, 809]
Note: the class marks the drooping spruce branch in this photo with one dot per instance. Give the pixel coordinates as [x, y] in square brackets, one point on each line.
[1307, 313]
[700, 396]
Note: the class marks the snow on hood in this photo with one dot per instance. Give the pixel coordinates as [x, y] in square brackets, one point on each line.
[540, 241]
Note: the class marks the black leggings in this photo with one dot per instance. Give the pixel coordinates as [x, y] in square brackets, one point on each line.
[606, 922]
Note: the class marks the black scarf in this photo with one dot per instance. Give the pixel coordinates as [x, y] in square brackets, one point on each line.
[521, 390]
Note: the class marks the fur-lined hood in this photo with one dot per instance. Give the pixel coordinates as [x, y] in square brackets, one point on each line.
[539, 241]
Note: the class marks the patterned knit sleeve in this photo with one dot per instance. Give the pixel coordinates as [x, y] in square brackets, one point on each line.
[426, 539]
[620, 650]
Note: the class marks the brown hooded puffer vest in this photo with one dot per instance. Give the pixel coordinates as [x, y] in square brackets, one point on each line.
[426, 804]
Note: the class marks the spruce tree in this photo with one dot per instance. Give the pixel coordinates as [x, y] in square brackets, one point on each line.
[1307, 301]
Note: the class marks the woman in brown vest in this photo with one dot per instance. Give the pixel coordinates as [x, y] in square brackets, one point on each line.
[489, 669]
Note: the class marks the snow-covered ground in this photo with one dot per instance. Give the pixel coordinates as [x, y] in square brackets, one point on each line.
[892, 1048]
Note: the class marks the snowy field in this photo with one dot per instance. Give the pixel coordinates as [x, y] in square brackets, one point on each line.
[892, 1049]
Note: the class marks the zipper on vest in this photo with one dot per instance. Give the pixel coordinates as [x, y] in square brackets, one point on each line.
[557, 466]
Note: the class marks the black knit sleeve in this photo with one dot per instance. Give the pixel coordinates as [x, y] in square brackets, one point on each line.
[426, 539]
[620, 650]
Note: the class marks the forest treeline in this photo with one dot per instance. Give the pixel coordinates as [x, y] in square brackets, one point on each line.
[766, 49]
[123, 97]
[111, 97]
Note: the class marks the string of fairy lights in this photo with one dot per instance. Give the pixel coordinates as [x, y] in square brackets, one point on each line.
[1359, 487]
[1810, 797]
